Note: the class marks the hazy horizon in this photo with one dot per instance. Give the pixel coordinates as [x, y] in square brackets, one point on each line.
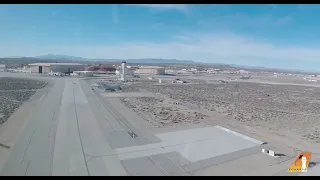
[271, 36]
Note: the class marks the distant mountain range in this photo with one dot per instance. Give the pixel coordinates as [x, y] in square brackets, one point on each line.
[66, 58]
[60, 57]
[144, 60]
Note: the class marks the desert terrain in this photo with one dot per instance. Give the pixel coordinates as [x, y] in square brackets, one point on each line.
[278, 106]
[287, 108]
[14, 92]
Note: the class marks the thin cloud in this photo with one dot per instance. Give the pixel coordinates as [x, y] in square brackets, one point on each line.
[3, 11]
[178, 7]
[273, 6]
[158, 25]
[115, 14]
[55, 13]
[283, 20]
[212, 47]
[308, 7]
[182, 38]
[237, 19]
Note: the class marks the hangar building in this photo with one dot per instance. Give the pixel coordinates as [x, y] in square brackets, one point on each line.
[154, 70]
[56, 67]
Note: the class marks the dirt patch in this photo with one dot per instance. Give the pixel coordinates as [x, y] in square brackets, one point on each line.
[163, 112]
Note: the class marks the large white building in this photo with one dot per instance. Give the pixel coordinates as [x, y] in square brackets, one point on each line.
[154, 70]
[243, 72]
[56, 67]
[82, 73]
[128, 72]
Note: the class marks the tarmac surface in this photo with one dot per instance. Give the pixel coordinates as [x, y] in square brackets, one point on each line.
[73, 131]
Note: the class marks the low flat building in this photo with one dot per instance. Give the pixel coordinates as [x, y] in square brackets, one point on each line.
[2, 67]
[102, 69]
[82, 73]
[56, 67]
[154, 70]
[243, 72]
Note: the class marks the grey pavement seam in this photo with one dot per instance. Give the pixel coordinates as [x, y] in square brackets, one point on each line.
[121, 119]
[101, 105]
[51, 125]
[94, 95]
[84, 155]
[27, 168]
[125, 169]
[158, 166]
[174, 162]
[112, 112]
[117, 116]
[54, 138]
[25, 152]
[52, 153]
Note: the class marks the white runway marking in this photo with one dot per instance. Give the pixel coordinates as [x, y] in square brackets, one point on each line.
[194, 144]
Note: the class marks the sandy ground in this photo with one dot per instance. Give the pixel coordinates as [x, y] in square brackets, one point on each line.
[279, 109]
[164, 112]
[278, 106]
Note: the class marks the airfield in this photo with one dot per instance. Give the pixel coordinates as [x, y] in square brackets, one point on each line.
[210, 125]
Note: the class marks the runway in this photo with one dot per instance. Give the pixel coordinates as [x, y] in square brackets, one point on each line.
[73, 131]
[51, 143]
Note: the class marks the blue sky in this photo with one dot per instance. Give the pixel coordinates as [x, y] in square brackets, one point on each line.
[283, 36]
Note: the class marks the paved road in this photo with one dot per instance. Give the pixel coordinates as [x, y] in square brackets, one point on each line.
[51, 143]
